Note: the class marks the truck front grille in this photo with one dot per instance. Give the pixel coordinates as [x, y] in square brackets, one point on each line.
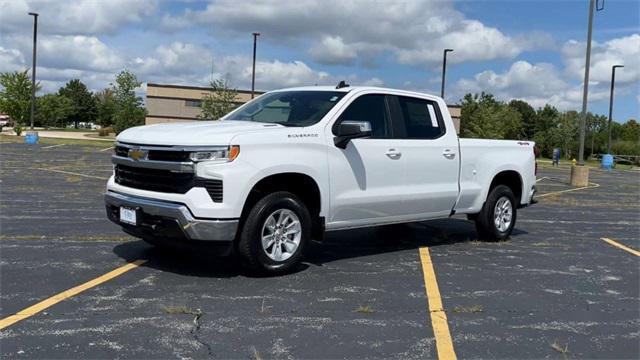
[157, 155]
[153, 179]
[165, 181]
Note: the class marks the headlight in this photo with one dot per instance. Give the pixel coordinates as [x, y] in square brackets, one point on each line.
[219, 154]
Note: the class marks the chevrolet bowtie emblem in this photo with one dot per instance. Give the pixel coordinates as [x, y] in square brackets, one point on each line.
[137, 154]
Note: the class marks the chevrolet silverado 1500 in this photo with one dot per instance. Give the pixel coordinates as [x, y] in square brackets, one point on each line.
[291, 164]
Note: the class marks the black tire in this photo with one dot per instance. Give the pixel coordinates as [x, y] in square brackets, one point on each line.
[487, 228]
[250, 246]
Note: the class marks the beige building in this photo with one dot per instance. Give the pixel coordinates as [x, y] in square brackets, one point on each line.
[173, 103]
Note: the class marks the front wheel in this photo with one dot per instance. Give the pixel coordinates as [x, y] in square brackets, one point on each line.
[497, 218]
[275, 233]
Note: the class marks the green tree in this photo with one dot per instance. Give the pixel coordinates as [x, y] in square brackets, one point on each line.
[630, 131]
[482, 116]
[84, 105]
[53, 110]
[547, 120]
[106, 107]
[129, 110]
[566, 133]
[528, 114]
[219, 102]
[15, 95]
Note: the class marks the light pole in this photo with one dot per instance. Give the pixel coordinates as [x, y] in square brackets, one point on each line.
[444, 70]
[253, 71]
[33, 67]
[613, 80]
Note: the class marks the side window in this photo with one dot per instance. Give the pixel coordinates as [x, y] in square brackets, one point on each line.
[421, 118]
[371, 108]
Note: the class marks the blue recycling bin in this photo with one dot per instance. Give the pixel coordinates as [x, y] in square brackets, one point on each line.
[31, 137]
[555, 160]
[607, 161]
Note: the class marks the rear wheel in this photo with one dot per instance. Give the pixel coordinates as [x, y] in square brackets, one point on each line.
[275, 233]
[497, 218]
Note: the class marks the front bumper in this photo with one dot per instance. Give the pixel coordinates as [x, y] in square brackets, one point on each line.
[164, 219]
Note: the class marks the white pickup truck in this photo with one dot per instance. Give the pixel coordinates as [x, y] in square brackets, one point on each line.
[291, 164]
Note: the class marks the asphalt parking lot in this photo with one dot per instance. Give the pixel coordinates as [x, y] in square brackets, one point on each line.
[554, 290]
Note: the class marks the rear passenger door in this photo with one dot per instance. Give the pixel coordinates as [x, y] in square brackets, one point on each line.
[431, 156]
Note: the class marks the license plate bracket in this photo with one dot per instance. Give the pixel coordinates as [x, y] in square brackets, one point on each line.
[129, 215]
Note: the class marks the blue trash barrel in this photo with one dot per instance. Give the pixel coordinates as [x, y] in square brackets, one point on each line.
[555, 160]
[607, 161]
[31, 137]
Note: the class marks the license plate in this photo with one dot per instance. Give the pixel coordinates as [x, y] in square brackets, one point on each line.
[128, 215]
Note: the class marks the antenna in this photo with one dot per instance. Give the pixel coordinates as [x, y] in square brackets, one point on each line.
[342, 84]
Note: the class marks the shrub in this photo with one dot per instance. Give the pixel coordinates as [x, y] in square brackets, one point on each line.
[18, 129]
[105, 131]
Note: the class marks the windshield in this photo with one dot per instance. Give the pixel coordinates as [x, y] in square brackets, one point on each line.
[288, 108]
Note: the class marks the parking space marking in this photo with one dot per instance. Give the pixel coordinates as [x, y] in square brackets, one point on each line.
[71, 173]
[47, 303]
[109, 148]
[53, 146]
[620, 246]
[444, 345]
[591, 186]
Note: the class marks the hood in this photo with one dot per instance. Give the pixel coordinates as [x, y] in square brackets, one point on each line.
[218, 132]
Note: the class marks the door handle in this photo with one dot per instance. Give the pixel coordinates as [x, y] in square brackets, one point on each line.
[448, 154]
[393, 154]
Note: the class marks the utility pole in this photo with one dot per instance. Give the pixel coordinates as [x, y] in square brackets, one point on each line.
[580, 173]
[253, 72]
[585, 92]
[33, 67]
[613, 80]
[444, 70]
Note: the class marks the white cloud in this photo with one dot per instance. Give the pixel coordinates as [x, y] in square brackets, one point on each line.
[332, 50]
[286, 74]
[78, 17]
[11, 60]
[538, 84]
[414, 32]
[543, 83]
[374, 81]
[620, 51]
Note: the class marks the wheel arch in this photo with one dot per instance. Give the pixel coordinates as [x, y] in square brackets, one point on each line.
[511, 179]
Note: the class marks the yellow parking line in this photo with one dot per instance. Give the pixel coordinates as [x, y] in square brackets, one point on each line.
[444, 345]
[71, 173]
[620, 246]
[591, 186]
[53, 146]
[47, 303]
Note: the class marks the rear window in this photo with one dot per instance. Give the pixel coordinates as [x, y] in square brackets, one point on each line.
[421, 118]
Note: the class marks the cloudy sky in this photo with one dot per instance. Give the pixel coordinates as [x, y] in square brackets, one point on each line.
[531, 50]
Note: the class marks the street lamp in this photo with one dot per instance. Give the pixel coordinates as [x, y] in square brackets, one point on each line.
[613, 80]
[253, 72]
[33, 68]
[444, 70]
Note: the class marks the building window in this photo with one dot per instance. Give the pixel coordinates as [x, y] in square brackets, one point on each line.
[193, 103]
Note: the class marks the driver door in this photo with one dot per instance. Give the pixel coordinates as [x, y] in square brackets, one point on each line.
[366, 178]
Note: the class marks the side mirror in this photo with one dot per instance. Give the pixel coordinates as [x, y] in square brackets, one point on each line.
[348, 130]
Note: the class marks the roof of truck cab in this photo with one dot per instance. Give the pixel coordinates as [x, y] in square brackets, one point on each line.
[352, 88]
